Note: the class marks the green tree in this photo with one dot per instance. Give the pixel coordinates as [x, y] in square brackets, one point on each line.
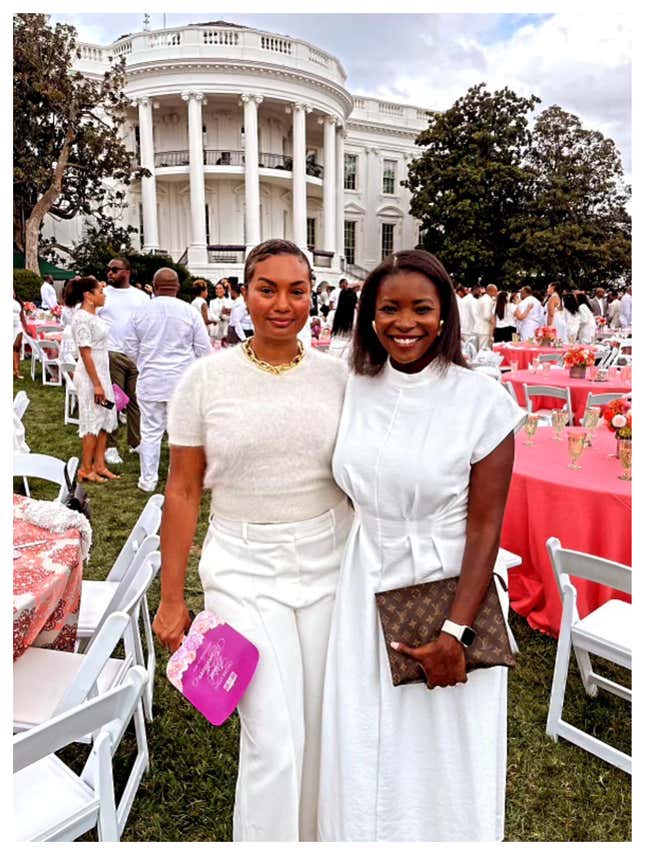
[101, 243]
[68, 156]
[576, 224]
[470, 181]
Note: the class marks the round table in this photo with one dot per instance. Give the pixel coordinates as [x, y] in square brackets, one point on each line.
[524, 354]
[47, 581]
[579, 389]
[588, 509]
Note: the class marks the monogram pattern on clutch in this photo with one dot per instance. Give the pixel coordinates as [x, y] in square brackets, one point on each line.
[415, 614]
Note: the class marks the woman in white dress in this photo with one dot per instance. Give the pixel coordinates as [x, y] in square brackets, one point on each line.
[528, 314]
[425, 452]
[587, 330]
[341, 330]
[96, 411]
[555, 310]
[220, 311]
[200, 292]
[572, 316]
[18, 321]
[242, 425]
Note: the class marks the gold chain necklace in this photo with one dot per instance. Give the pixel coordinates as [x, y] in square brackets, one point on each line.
[266, 366]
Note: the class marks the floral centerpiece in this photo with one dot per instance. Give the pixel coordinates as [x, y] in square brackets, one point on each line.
[56, 311]
[545, 336]
[618, 416]
[577, 359]
[601, 322]
[29, 308]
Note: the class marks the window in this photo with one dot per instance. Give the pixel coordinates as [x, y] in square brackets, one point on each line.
[311, 233]
[389, 175]
[141, 225]
[350, 171]
[387, 239]
[350, 241]
[208, 228]
[137, 141]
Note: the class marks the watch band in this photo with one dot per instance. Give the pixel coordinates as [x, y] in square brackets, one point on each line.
[464, 634]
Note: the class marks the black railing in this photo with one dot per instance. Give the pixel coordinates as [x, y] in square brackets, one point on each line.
[223, 157]
[171, 158]
[230, 157]
[269, 160]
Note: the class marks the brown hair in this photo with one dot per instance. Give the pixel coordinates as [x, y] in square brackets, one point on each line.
[271, 247]
[368, 354]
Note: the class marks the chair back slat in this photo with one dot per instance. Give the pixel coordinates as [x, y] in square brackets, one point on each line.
[568, 562]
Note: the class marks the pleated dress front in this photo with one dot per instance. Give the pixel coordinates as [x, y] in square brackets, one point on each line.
[404, 763]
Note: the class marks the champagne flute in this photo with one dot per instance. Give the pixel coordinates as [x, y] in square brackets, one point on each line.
[576, 440]
[559, 418]
[590, 420]
[625, 457]
[514, 365]
[530, 427]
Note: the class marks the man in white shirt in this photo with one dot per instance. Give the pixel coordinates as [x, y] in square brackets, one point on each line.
[466, 305]
[162, 338]
[239, 324]
[484, 307]
[48, 298]
[625, 316]
[121, 300]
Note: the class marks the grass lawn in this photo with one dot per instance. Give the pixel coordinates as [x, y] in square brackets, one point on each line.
[555, 792]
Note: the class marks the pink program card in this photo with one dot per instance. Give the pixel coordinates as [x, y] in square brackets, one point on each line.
[213, 667]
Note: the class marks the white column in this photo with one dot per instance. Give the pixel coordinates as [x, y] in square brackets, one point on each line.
[149, 184]
[251, 170]
[340, 190]
[299, 183]
[329, 184]
[197, 252]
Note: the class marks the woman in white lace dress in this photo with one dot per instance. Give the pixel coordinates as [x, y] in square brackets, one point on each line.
[96, 411]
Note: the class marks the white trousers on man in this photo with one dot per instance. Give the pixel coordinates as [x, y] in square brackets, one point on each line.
[276, 584]
[154, 418]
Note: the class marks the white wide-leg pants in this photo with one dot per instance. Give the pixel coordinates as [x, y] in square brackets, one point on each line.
[154, 417]
[276, 585]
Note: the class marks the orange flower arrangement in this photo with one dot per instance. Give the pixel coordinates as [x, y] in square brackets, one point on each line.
[546, 335]
[578, 355]
[618, 416]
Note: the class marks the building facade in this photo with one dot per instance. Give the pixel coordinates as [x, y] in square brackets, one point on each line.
[250, 135]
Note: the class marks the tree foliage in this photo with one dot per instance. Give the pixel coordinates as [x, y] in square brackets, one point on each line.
[501, 202]
[68, 155]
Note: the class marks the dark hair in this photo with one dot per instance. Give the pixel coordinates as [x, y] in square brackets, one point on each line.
[344, 314]
[236, 287]
[199, 285]
[527, 289]
[557, 287]
[582, 299]
[570, 303]
[49, 279]
[368, 354]
[77, 287]
[271, 247]
[124, 261]
[500, 304]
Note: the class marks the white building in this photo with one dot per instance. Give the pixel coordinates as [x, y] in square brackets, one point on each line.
[250, 135]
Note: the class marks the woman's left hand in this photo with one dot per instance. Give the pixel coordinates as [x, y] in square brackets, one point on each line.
[443, 660]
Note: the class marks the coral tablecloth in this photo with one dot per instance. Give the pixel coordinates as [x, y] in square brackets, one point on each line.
[589, 510]
[523, 354]
[46, 587]
[559, 377]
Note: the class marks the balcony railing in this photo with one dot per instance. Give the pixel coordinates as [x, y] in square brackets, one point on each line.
[226, 253]
[229, 157]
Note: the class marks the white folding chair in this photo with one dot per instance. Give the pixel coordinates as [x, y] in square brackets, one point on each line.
[47, 468]
[50, 363]
[548, 392]
[148, 523]
[509, 558]
[100, 599]
[610, 358]
[51, 802]
[550, 357]
[71, 399]
[36, 353]
[489, 370]
[20, 403]
[605, 632]
[600, 399]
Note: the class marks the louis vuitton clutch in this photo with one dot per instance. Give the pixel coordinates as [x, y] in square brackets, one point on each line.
[415, 614]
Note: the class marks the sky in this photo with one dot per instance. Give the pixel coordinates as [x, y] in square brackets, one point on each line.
[579, 57]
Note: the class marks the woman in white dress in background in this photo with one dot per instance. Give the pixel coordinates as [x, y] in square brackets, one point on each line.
[425, 451]
[96, 410]
[220, 311]
[555, 311]
[18, 321]
[587, 329]
[528, 314]
[572, 316]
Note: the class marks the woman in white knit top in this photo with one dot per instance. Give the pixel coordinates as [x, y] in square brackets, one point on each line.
[242, 424]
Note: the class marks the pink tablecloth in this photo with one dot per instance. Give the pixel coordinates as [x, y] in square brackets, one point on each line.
[46, 587]
[559, 377]
[523, 354]
[588, 510]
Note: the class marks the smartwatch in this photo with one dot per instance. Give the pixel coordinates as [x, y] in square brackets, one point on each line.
[463, 634]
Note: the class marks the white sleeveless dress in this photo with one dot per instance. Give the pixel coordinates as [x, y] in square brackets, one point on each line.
[407, 764]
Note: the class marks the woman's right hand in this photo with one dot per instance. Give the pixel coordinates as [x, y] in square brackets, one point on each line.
[99, 394]
[170, 623]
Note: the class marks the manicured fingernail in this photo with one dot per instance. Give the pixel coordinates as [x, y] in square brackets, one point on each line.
[394, 645]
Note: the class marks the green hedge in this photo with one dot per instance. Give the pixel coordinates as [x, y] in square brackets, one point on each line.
[27, 284]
